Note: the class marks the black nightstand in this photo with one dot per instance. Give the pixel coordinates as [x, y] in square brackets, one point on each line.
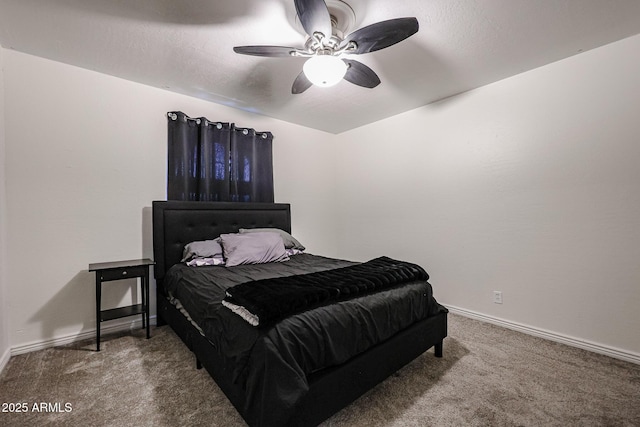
[108, 271]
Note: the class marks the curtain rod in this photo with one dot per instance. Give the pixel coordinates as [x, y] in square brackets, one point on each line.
[174, 116]
[245, 131]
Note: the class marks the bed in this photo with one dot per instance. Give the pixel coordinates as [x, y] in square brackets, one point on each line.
[269, 383]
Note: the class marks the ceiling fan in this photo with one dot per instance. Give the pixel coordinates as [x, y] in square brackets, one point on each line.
[326, 46]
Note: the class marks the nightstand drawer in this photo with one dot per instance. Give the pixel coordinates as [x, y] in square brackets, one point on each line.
[122, 273]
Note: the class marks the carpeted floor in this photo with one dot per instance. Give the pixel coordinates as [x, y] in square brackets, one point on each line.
[489, 376]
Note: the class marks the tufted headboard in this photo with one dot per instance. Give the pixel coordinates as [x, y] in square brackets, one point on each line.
[176, 223]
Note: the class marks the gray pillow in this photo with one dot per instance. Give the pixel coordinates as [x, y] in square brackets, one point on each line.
[201, 249]
[289, 241]
[252, 248]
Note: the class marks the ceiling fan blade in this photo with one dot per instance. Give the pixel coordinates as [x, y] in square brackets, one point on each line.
[271, 51]
[382, 34]
[300, 84]
[361, 75]
[314, 16]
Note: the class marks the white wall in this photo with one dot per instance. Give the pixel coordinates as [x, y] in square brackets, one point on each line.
[86, 156]
[528, 186]
[4, 315]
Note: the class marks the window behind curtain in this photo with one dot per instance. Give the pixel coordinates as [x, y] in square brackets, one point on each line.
[213, 161]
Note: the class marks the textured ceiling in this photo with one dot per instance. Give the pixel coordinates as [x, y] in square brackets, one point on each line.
[186, 46]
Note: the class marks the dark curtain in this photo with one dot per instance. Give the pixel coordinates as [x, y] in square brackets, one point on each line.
[251, 166]
[213, 161]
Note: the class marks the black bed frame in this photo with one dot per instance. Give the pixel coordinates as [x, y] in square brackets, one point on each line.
[176, 223]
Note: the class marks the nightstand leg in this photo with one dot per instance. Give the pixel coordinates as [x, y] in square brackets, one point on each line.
[146, 300]
[98, 298]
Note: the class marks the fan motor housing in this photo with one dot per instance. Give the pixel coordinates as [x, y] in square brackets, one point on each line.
[343, 18]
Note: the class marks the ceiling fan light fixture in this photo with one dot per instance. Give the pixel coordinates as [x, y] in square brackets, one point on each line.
[325, 23]
[324, 70]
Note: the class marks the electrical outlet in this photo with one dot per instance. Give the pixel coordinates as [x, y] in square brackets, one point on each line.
[497, 297]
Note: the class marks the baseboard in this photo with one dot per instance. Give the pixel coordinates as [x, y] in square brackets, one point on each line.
[552, 336]
[116, 326]
[530, 330]
[4, 359]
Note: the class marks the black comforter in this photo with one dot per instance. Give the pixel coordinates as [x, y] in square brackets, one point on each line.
[272, 364]
[266, 301]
